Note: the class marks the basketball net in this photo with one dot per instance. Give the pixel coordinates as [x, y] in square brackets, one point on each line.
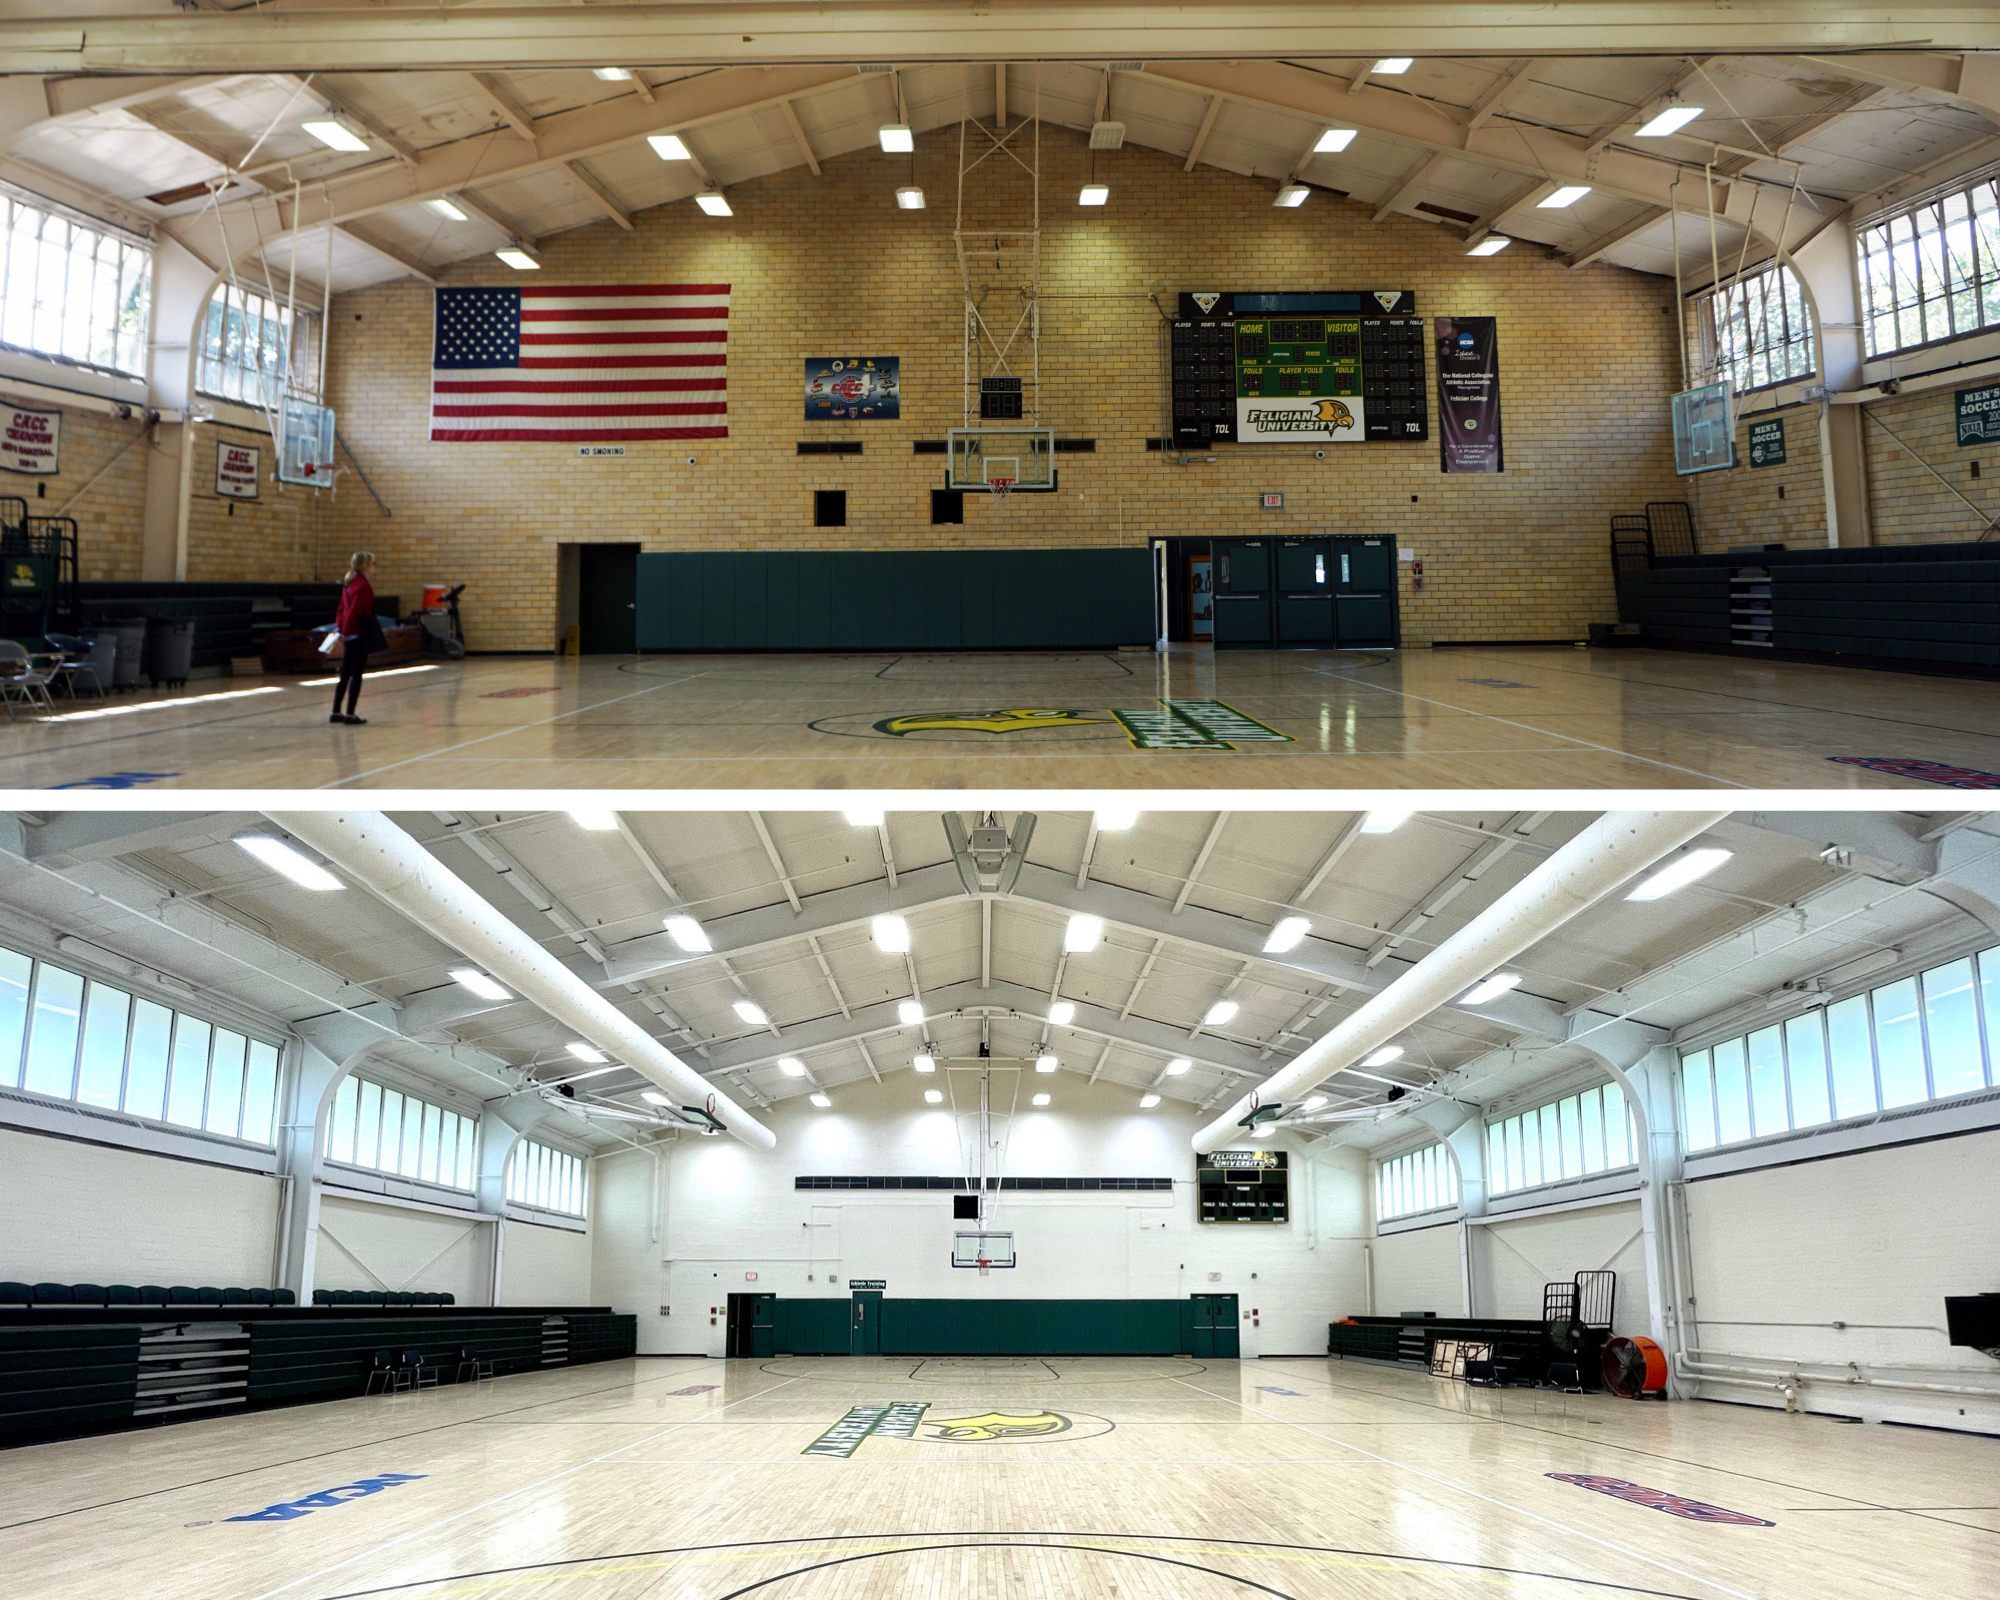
[1003, 491]
[330, 471]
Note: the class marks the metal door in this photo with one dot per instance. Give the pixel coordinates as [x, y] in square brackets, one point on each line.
[763, 1325]
[1215, 1331]
[1242, 591]
[864, 1327]
[1364, 581]
[1305, 592]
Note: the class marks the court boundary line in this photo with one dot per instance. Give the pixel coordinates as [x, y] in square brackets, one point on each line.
[1494, 1500]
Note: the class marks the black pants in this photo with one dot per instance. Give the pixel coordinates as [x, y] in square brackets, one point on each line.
[353, 662]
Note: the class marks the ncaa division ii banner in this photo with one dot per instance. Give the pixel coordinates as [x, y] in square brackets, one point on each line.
[1468, 365]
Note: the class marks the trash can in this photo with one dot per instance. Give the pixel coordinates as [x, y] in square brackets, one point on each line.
[169, 650]
[130, 633]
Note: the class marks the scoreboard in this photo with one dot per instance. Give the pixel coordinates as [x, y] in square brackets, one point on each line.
[1332, 367]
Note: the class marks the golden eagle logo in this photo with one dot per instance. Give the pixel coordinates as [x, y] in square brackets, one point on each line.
[1013, 720]
[1333, 413]
[997, 1425]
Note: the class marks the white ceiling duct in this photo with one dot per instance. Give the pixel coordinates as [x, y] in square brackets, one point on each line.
[383, 858]
[1582, 872]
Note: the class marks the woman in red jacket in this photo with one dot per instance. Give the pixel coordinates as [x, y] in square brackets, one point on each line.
[360, 634]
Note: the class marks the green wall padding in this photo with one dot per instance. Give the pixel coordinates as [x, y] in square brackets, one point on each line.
[991, 1327]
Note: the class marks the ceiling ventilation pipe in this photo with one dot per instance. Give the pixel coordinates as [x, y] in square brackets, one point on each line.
[1590, 866]
[382, 857]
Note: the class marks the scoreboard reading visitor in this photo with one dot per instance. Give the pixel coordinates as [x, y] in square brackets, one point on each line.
[1299, 368]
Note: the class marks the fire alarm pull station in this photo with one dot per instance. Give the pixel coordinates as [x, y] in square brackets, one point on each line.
[1416, 574]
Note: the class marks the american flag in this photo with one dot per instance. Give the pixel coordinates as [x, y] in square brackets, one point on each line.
[609, 361]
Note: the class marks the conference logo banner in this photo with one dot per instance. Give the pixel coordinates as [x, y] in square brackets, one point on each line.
[1468, 369]
[1307, 419]
[236, 470]
[858, 388]
[29, 440]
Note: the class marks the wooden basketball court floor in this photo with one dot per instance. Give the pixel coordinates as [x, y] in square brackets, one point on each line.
[1540, 717]
[834, 1479]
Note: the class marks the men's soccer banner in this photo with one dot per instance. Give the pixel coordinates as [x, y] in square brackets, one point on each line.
[29, 440]
[1468, 366]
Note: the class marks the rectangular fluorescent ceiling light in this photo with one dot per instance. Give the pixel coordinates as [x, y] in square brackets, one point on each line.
[897, 139]
[1565, 196]
[1335, 140]
[1289, 934]
[791, 1066]
[910, 1013]
[1118, 819]
[1094, 194]
[1679, 873]
[1312, 1102]
[1148, 1101]
[750, 1012]
[1045, 1063]
[519, 260]
[1083, 934]
[1489, 988]
[1671, 120]
[713, 203]
[475, 980]
[1063, 1013]
[1384, 821]
[282, 858]
[862, 817]
[668, 147]
[1394, 66]
[1382, 1057]
[1041, 1099]
[924, 1063]
[586, 1052]
[688, 934]
[1221, 1012]
[1293, 194]
[1178, 1066]
[910, 199]
[819, 1100]
[445, 209]
[1107, 135]
[1491, 245]
[335, 135]
[612, 74]
[653, 1097]
[890, 933]
[594, 821]
[934, 1097]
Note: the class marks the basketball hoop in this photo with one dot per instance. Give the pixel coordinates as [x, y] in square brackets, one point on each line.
[1002, 489]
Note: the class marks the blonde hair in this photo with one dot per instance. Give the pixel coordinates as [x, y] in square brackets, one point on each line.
[362, 558]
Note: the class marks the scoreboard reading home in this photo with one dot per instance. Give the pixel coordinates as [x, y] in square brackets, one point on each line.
[1328, 367]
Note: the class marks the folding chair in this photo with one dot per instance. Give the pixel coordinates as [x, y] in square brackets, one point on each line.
[25, 677]
[469, 1360]
[77, 658]
[381, 1376]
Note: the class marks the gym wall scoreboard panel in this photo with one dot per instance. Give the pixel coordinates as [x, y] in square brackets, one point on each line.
[1329, 367]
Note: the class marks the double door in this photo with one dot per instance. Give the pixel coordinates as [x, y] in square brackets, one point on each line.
[1212, 1330]
[1333, 592]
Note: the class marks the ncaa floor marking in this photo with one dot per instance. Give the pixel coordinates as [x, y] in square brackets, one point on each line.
[117, 780]
[1940, 772]
[306, 1505]
[1658, 1499]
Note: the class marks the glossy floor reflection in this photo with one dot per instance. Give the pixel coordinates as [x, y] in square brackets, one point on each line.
[1501, 717]
[829, 1479]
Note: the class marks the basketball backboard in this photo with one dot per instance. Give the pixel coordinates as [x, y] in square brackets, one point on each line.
[305, 444]
[1022, 459]
[982, 1249]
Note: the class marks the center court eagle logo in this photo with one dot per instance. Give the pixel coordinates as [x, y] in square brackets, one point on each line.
[1008, 720]
[992, 1425]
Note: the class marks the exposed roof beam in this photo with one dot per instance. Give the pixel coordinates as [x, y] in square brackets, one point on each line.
[1200, 860]
[509, 110]
[1606, 242]
[1491, 103]
[606, 202]
[1404, 187]
[799, 134]
[1201, 133]
[498, 221]
[409, 263]
[1528, 195]
[376, 129]
[1633, 116]
[27, 105]
[1000, 95]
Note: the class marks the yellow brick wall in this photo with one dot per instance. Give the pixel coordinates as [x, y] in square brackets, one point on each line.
[1907, 505]
[272, 539]
[110, 515]
[1742, 506]
[822, 266]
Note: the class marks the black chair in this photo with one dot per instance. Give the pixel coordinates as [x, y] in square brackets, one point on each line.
[53, 1294]
[1566, 1376]
[236, 1297]
[88, 1294]
[152, 1294]
[382, 1375]
[471, 1362]
[16, 1294]
[208, 1296]
[260, 1297]
[1482, 1374]
[417, 1372]
[121, 1294]
[323, 1297]
[181, 1295]
[283, 1297]
[447, 1298]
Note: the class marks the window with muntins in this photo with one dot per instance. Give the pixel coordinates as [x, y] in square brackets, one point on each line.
[72, 291]
[385, 1130]
[547, 1179]
[1930, 1036]
[68, 1037]
[1932, 272]
[1757, 333]
[1422, 1180]
[253, 350]
[1578, 1136]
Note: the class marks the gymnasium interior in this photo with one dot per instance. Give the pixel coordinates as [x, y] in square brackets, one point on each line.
[901, 1202]
[1610, 399]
